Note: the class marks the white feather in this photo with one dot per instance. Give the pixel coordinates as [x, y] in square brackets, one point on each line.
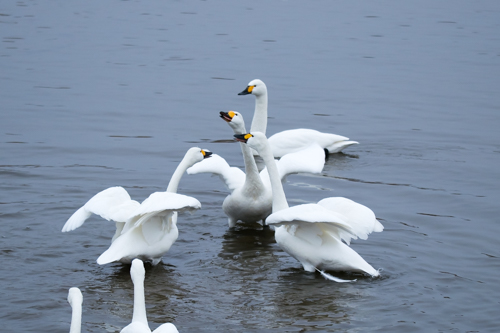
[333, 278]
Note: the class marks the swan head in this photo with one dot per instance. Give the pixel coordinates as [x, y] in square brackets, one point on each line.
[235, 120]
[255, 87]
[255, 140]
[195, 155]
[137, 271]
[75, 296]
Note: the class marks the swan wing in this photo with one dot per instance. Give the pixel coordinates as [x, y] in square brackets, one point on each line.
[161, 203]
[113, 203]
[233, 177]
[167, 202]
[308, 160]
[309, 214]
[149, 241]
[290, 141]
[360, 218]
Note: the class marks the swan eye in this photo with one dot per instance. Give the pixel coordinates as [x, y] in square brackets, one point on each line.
[248, 136]
[231, 114]
[250, 88]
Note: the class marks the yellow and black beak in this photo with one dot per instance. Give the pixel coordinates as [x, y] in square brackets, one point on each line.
[206, 153]
[248, 90]
[242, 137]
[227, 116]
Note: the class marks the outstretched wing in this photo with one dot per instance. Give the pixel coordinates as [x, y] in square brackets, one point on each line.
[113, 204]
[360, 218]
[309, 214]
[308, 160]
[161, 204]
[233, 177]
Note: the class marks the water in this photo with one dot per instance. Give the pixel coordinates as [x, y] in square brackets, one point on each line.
[97, 94]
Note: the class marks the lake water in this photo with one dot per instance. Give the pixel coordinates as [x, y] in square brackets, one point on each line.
[96, 94]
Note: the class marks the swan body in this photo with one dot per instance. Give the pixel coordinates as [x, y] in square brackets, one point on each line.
[75, 300]
[139, 322]
[289, 141]
[314, 234]
[250, 199]
[144, 230]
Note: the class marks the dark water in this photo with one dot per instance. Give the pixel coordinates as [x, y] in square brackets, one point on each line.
[102, 93]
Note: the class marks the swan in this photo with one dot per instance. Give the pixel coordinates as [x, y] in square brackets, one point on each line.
[146, 230]
[313, 233]
[289, 141]
[75, 299]
[250, 199]
[139, 322]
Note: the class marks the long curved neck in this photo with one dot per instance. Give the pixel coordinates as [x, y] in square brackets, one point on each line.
[259, 121]
[251, 169]
[76, 318]
[176, 177]
[279, 198]
[139, 303]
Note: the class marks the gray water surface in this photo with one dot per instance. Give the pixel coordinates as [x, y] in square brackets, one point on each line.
[97, 94]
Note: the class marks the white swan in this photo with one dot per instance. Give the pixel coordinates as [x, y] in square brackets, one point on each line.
[145, 230]
[139, 322]
[75, 299]
[289, 141]
[313, 233]
[250, 199]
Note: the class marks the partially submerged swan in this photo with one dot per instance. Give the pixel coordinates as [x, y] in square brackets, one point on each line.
[313, 233]
[145, 230]
[289, 141]
[250, 199]
[75, 300]
[139, 322]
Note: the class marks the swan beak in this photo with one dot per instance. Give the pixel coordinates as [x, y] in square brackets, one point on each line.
[206, 153]
[248, 90]
[242, 137]
[227, 116]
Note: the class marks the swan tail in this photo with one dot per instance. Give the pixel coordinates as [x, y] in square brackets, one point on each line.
[333, 278]
[76, 220]
[337, 147]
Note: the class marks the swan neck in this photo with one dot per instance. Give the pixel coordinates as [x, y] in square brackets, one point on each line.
[251, 169]
[259, 121]
[139, 303]
[279, 197]
[176, 177]
[76, 318]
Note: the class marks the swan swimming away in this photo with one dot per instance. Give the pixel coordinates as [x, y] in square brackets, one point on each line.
[146, 230]
[313, 233]
[139, 322]
[75, 300]
[250, 199]
[289, 141]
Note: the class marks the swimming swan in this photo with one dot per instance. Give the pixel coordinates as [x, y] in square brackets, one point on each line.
[250, 199]
[75, 299]
[313, 233]
[289, 141]
[145, 230]
[139, 322]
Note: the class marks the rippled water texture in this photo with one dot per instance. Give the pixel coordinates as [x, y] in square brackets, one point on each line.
[103, 93]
